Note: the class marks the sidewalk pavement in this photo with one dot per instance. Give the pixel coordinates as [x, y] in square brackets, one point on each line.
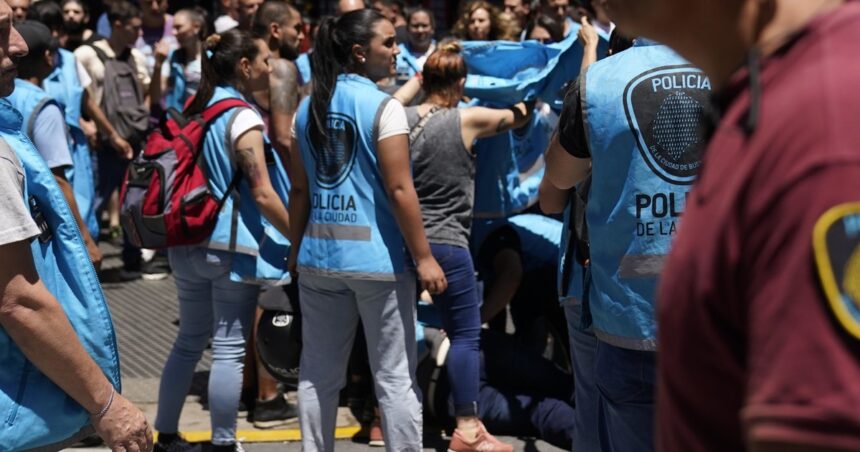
[145, 316]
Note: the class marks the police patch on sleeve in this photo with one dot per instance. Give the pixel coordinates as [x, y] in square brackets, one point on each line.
[836, 245]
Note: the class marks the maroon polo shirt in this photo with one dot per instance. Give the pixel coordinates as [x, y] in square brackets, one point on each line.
[751, 347]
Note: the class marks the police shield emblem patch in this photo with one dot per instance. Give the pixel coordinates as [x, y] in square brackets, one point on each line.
[665, 110]
[836, 244]
[335, 162]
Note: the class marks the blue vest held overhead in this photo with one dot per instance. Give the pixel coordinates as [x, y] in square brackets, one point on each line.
[506, 72]
[351, 231]
[64, 86]
[259, 250]
[643, 109]
[36, 412]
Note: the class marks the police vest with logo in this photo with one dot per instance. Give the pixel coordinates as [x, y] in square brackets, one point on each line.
[36, 412]
[64, 86]
[351, 231]
[643, 110]
[259, 250]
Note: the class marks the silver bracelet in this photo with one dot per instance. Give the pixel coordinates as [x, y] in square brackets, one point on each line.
[107, 405]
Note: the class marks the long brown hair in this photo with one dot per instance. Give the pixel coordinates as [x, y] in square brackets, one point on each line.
[461, 28]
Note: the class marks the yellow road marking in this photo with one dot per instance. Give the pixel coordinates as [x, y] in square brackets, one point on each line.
[265, 436]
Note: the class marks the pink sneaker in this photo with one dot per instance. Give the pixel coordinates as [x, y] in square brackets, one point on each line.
[484, 442]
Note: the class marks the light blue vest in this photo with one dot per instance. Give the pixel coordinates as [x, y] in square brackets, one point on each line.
[259, 250]
[35, 411]
[643, 108]
[176, 96]
[351, 231]
[65, 87]
[407, 65]
[303, 64]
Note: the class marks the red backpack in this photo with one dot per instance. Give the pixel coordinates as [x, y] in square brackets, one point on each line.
[165, 199]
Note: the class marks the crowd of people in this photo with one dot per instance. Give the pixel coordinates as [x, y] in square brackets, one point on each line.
[614, 225]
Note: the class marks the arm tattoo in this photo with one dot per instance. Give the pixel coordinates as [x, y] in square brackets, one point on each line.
[247, 163]
[503, 125]
[284, 87]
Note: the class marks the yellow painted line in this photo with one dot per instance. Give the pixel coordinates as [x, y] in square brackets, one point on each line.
[265, 436]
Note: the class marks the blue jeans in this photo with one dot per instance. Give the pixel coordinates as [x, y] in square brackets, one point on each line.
[109, 169]
[460, 313]
[210, 305]
[583, 351]
[626, 387]
[524, 394]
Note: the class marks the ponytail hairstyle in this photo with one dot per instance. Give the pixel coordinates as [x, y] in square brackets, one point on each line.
[332, 55]
[221, 53]
[443, 71]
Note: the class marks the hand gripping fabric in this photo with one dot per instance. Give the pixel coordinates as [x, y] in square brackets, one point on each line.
[166, 200]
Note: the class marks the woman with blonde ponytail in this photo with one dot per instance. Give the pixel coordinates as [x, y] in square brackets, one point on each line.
[444, 170]
[218, 281]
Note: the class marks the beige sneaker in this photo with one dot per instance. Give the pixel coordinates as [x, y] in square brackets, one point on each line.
[484, 442]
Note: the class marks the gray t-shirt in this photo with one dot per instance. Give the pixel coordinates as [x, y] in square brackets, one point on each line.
[16, 224]
[444, 174]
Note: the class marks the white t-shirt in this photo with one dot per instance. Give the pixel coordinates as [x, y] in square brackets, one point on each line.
[16, 224]
[247, 119]
[392, 121]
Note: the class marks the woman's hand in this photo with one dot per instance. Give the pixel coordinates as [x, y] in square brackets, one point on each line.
[431, 276]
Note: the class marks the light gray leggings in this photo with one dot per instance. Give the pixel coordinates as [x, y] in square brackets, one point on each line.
[331, 309]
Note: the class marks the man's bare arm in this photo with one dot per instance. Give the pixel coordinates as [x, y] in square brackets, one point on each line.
[284, 99]
[35, 321]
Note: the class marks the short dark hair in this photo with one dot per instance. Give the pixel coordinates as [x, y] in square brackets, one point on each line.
[122, 10]
[420, 9]
[555, 29]
[83, 3]
[271, 11]
[49, 13]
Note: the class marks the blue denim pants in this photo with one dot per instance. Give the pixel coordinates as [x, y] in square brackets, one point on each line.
[210, 305]
[459, 310]
[583, 352]
[626, 387]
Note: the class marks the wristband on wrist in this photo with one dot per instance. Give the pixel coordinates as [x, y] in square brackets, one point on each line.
[107, 405]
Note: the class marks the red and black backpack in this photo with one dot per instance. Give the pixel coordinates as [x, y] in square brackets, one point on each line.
[166, 200]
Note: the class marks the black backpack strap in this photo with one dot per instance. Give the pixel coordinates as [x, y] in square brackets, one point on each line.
[103, 57]
[419, 127]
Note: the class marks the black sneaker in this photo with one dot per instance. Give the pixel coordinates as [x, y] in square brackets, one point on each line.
[128, 275]
[176, 445]
[155, 269]
[273, 413]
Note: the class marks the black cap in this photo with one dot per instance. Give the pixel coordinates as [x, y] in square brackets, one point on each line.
[37, 36]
